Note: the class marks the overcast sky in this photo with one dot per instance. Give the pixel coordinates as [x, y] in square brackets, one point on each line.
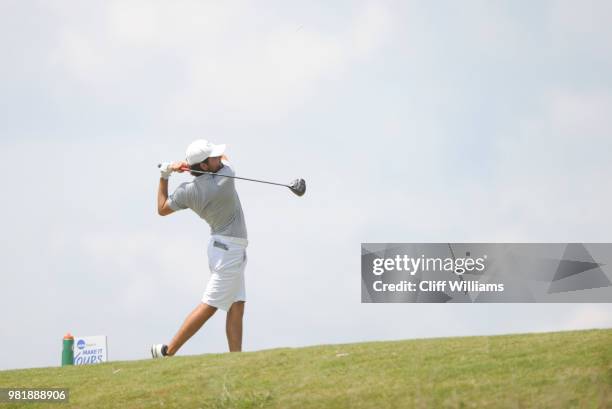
[411, 122]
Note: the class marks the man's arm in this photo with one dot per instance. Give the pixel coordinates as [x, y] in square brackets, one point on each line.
[163, 209]
[162, 198]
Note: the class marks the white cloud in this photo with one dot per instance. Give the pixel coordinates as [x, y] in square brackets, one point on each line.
[589, 19]
[589, 316]
[372, 26]
[581, 116]
[551, 173]
[78, 55]
[137, 23]
[231, 57]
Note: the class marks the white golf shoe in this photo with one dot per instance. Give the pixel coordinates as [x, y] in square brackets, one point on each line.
[159, 350]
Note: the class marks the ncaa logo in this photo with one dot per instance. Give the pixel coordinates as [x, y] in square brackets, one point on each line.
[81, 344]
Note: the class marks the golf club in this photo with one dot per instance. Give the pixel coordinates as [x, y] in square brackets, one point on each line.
[298, 186]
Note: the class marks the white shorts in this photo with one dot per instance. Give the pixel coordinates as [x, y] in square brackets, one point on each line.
[227, 260]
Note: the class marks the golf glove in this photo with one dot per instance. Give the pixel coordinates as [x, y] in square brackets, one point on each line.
[165, 169]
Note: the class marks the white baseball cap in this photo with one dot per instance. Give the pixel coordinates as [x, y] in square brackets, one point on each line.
[201, 149]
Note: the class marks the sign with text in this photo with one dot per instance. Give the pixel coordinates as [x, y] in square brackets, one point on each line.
[90, 350]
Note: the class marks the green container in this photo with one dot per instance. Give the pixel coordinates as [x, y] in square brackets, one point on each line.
[68, 350]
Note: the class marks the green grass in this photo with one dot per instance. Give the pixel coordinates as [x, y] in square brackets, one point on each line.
[551, 370]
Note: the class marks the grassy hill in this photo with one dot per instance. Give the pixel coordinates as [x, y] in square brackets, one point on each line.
[551, 370]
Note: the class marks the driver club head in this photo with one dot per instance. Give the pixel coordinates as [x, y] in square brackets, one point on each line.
[298, 186]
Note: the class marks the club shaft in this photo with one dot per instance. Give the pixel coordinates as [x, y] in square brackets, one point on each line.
[236, 177]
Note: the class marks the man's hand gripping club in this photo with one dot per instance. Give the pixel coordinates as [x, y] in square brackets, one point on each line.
[166, 168]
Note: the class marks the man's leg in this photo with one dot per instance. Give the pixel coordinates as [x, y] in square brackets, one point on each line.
[233, 326]
[192, 324]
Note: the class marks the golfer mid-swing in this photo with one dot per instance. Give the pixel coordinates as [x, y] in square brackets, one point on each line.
[215, 200]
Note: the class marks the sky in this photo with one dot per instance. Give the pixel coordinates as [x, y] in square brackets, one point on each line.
[411, 121]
